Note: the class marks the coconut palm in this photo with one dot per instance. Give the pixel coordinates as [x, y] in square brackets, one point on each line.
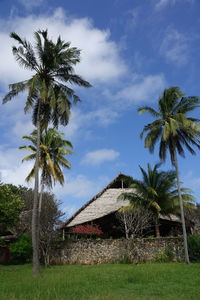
[157, 192]
[174, 130]
[53, 149]
[52, 66]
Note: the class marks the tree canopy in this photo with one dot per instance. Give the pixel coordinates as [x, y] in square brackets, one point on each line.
[157, 192]
[10, 208]
[53, 149]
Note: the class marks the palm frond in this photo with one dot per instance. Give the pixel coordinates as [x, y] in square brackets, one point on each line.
[148, 109]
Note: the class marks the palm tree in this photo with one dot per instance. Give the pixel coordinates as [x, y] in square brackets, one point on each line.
[53, 149]
[52, 65]
[156, 192]
[174, 130]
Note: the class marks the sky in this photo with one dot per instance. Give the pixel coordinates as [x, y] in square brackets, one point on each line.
[131, 50]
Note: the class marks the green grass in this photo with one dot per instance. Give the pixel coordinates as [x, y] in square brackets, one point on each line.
[102, 282]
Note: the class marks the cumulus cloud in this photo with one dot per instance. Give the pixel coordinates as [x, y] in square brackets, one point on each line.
[144, 88]
[192, 181]
[79, 186]
[97, 157]
[160, 4]
[80, 122]
[12, 170]
[174, 47]
[100, 57]
[22, 128]
[30, 4]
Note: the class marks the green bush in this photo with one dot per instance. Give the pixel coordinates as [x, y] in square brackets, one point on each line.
[169, 251]
[166, 256]
[194, 247]
[161, 257]
[21, 250]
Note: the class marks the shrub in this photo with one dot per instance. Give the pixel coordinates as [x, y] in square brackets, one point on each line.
[161, 257]
[21, 250]
[194, 247]
[169, 251]
[87, 229]
[165, 256]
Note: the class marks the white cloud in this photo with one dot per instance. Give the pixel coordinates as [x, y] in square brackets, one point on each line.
[175, 47]
[160, 4]
[190, 180]
[30, 4]
[80, 122]
[69, 210]
[79, 187]
[22, 127]
[100, 57]
[12, 170]
[142, 89]
[97, 157]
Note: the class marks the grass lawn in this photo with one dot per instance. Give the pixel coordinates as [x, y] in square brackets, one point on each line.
[117, 281]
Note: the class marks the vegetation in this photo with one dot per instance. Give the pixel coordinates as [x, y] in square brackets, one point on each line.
[87, 229]
[10, 207]
[100, 282]
[166, 256]
[53, 149]
[50, 96]
[52, 65]
[174, 131]
[21, 250]
[157, 192]
[50, 220]
[194, 247]
[18, 220]
[134, 220]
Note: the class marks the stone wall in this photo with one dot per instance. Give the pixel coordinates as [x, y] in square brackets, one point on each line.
[112, 251]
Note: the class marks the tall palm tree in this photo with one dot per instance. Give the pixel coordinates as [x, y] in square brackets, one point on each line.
[174, 130]
[156, 192]
[53, 149]
[52, 66]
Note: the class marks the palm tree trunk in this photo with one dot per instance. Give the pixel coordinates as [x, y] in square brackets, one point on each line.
[125, 227]
[35, 235]
[40, 201]
[187, 261]
[39, 213]
[157, 228]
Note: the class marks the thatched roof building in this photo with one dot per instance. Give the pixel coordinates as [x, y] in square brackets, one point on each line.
[102, 204]
[101, 209]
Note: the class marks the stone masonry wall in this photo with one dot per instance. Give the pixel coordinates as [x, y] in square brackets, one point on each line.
[111, 251]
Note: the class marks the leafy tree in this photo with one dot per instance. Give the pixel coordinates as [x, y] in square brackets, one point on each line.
[50, 219]
[194, 247]
[10, 207]
[52, 64]
[174, 130]
[21, 250]
[157, 192]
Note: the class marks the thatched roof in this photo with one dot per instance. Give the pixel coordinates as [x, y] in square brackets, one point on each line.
[105, 203]
[102, 204]
[170, 217]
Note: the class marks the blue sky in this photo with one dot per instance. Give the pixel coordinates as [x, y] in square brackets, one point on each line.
[131, 51]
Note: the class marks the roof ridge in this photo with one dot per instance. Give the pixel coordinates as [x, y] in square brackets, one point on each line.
[91, 200]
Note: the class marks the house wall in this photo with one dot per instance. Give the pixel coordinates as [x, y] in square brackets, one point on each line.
[111, 251]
